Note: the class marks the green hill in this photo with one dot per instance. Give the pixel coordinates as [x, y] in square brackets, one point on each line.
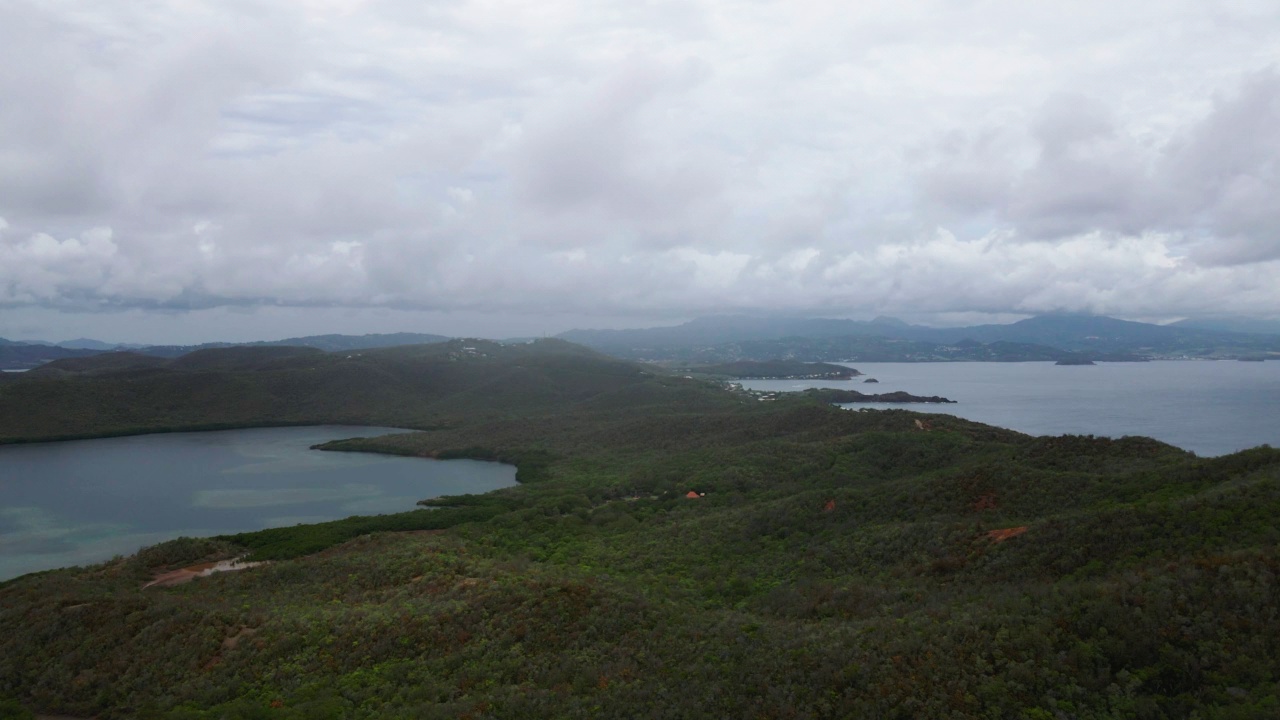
[408, 386]
[104, 362]
[830, 564]
[23, 356]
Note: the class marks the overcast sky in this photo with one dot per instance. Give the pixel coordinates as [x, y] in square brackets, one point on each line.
[177, 171]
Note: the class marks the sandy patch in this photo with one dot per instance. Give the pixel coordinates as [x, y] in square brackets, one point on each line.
[1006, 533]
[187, 574]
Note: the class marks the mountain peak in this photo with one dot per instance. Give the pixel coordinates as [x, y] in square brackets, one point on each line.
[886, 320]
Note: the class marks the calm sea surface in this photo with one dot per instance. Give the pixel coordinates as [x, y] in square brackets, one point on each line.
[84, 501]
[1210, 408]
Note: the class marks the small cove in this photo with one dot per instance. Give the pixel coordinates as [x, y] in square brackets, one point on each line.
[85, 501]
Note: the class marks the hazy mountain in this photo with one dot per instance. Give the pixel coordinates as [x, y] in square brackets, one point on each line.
[357, 342]
[1233, 324]
[15, 355]
[328, 343]
[22, 356]
[91, 344]
[98, 363]
[720, 329]
[1055, 333]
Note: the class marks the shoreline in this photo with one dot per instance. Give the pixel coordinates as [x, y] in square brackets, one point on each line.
[204, 427]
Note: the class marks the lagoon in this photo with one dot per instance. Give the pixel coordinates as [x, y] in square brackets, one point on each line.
[1207, 407]
[85, 501]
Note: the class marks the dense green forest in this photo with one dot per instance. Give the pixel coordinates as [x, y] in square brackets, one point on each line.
[832, 563]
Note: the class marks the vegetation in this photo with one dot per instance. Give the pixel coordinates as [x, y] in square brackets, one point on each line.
[776, 369]
[16, 355]
[881, 563]
[834, 395]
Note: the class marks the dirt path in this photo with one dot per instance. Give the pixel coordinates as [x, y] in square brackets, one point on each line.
[187, 574]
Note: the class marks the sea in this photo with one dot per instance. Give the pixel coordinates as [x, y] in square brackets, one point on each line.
[85, 501]
[1207, 407]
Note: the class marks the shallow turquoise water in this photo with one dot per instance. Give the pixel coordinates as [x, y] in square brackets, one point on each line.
[83, 501]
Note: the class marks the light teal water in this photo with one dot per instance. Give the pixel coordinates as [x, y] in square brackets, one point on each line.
[1208, 407]
[84, 501]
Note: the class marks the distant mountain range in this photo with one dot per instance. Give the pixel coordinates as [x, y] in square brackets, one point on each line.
[16, 355]
[733, 338]
[1045, 337]
[421, 385]
[21, 356]
[1238, 324]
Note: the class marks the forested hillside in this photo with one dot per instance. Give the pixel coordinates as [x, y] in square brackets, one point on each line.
[829, 563]
[412, 386]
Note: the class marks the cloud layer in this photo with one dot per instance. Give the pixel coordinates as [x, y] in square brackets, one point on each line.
[647, 159]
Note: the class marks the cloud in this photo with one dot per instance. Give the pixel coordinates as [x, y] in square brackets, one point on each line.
[652, 159]
[1207, 184]
[1225, 168]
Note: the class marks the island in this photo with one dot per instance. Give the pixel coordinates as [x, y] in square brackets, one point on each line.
[1075, 361]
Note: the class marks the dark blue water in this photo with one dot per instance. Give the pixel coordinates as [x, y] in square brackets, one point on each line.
[1210, 408]
[71, 503]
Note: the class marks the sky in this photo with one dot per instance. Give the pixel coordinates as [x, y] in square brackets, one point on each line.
[184, 171]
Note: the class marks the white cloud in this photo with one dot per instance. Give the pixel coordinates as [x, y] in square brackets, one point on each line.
[658, 158]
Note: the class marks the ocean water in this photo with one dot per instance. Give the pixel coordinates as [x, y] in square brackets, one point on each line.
[84, 501]
[1207, 407]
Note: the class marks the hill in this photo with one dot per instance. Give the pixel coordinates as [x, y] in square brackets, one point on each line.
[334, 343]
[828, 564]
[407, 386]
[20, 356]
[717, 330]
[23, 356]
[102, 362]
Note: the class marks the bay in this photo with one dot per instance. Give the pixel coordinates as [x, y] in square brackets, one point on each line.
[1207, 407]
[84, 501]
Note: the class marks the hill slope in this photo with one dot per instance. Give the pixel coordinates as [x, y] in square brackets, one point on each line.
[408, 386]
[22, 356]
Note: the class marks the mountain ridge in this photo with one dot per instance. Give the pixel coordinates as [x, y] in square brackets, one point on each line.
[1068, 333]
[20, 355]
